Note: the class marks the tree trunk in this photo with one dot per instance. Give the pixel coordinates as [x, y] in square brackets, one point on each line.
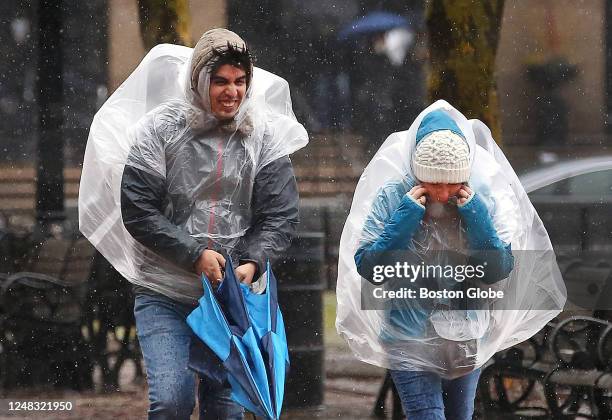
[463, 36]
[164, 21]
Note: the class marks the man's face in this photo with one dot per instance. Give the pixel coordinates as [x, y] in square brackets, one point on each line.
[227, 90]
[440, 193]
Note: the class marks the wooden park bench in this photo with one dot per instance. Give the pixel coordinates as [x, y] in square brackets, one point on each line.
[58, 321]
[40, 317]
[18, 188]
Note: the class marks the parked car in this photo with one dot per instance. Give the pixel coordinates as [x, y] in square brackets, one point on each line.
[573, 199]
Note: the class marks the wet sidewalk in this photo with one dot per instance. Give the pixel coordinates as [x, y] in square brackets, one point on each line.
[350, 390]
[345, 398]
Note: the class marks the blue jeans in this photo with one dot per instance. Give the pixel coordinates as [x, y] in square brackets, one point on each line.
[165, 338]
[426, 396]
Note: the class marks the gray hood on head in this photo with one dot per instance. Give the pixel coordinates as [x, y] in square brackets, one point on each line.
[198, 83]
[214, 40]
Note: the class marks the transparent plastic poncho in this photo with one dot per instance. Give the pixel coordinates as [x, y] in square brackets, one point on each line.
[156, 123]
[441, 338]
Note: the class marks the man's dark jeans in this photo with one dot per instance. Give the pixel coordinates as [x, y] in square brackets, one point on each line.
[164, 339]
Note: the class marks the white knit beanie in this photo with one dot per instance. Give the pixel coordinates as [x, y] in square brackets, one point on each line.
[442, 157]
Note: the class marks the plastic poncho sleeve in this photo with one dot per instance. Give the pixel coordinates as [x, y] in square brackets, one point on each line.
[484, 242]
[388, 228]
[142, 195]
[275, 214]
[143, 191]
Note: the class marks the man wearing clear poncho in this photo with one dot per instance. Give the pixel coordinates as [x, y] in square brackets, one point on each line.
[442, 195]
[187, 163]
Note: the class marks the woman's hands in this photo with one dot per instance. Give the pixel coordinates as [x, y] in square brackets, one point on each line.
[464, 195]
[418, 192]
[440, 193]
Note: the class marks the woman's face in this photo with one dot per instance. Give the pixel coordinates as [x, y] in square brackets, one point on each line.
[440, 193]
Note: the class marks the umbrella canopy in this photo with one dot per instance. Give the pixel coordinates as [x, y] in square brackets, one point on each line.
[372, 23]
[246, 332]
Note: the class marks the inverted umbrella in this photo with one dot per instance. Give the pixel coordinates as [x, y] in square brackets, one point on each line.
[246, 332]
[373, 23]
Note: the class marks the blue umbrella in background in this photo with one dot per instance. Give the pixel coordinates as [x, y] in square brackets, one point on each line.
[373, 23]
[246, 332]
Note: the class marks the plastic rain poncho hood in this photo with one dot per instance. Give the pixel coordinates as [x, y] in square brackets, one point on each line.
[440, 336]
[159, 122]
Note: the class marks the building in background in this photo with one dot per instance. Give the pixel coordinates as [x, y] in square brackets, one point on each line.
[354, 83]
[101, 46]
[554, 67]
[125, 43]
[563, 41]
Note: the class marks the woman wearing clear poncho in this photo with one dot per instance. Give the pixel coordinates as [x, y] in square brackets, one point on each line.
[187, 163]
[440, 198]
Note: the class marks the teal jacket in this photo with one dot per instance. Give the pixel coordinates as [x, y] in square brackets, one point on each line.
[395, 220]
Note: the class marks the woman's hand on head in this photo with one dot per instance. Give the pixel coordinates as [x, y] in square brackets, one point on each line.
[418, 192]
[464, 194]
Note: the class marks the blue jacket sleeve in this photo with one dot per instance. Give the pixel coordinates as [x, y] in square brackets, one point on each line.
[486, 246]
[397, 228]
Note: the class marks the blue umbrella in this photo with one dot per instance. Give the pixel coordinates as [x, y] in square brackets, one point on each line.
[372, 23]
[246, 332]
